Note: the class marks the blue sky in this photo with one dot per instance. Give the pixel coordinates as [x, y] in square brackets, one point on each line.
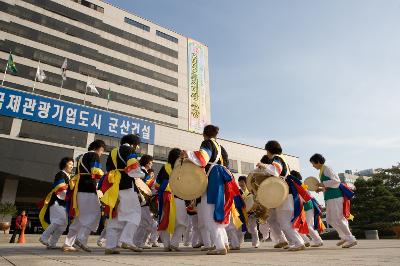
[318, 76]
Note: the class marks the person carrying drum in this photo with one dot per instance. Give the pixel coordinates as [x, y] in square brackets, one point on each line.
[215, 204]
[337, 201]
[120, 195]
[172, 214]
[282, 215]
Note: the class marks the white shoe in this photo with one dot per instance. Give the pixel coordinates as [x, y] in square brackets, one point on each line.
[294, 248]
[43, 242]
[350, 244]
[316, 245]
[341, 242]
[131, 247]
[82, 246]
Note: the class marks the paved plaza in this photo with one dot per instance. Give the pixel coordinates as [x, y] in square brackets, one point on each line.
[368, 252]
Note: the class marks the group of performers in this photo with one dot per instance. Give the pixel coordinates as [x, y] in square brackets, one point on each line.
[215, 222]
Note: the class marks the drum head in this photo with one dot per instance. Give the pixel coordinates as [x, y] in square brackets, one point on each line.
[188, 181]
[272, 192]
[311, 183]
[143, 187]
[255, 178]
[249, 201]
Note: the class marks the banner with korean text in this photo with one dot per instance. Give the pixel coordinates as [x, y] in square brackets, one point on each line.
[197, 86]
[41, 109]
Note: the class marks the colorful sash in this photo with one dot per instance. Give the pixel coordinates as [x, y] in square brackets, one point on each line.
[318, 223]
[166, 204]
[348, 194]
[299, 215]
[44, 214]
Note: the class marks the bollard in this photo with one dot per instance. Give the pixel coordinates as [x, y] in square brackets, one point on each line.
[371, 234]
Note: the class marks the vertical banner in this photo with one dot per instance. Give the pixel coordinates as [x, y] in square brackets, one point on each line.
[197, 86]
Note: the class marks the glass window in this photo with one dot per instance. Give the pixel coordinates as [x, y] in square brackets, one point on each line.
[137, 24]
[161, 153]
[166, 36]
[233, 166]
[247, 167]
[52, 133]
[5, 124]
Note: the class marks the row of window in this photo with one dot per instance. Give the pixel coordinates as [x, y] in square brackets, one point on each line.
[166, 36]
[80, 86]
[79, 101]
[137, 24]
[89, 36]
[99, 24]
[112, 142]
[85, 69]
[90, 5]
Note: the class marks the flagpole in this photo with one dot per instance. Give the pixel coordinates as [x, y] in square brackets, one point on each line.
[34, 83]
[84, 98]
[108, 95]
[62, 82]
[5, 71]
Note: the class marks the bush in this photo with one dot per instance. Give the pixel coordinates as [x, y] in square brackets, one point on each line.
[7, 208]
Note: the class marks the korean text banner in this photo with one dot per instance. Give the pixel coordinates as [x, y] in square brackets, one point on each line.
[41, 109]
[197, 86]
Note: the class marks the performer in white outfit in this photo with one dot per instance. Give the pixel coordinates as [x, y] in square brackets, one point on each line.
[53, 215]
[121, 195]
[84, 202]
[334, 199]
[284, 213]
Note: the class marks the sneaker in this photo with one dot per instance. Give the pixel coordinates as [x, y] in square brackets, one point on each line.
[199, 245]
[111, 251]
[43, 242]
[175, 249]
[317, 245]
[82, 246]
[217, 252]
[350, 244]
[302, 247]
[207, 248]
[341, 242]
[131, 247]
[307, 244]
[66, 248]
[52, 247]
[281, 245]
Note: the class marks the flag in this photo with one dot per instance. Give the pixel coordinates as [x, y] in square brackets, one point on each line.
[109, 94]
[64, 70]
[40, 76]
[91, 86]
[11, 65]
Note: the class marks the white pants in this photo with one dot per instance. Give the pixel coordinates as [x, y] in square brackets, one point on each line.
[334, 217]
[181, 222]
[217, 230]
[264, 230]
[252, 229]
[284, 216]
[196, 236]
[58, 224]
[234, 235]
[187, 238]
[315, 238]
[205, 233]
[123, 227]
[153, 239]
[277, 236]
[87, 221]
[145, 227]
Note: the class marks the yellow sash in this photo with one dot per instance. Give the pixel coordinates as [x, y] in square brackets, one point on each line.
[172, 205]
[43, 211]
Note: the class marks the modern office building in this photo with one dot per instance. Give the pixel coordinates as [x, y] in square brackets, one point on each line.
[151, 81]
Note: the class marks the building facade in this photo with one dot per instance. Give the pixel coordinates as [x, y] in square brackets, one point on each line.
[151, 81]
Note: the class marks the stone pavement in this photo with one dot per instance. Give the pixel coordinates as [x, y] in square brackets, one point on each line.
[368, 252]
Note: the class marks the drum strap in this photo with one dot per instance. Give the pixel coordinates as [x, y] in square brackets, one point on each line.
[215, 162]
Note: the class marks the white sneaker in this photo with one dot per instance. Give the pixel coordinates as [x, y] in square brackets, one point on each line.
[341, 242]
[43, 242]
[294, 248]
[350, 244]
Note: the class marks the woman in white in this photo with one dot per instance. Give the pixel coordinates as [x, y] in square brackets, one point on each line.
[333, 196]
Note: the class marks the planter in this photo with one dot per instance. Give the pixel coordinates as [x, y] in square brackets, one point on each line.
[371, 234]
[396, 230]
[4, 226]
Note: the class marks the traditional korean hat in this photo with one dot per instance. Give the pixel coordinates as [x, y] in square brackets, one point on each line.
[272, 192]
[188, 181]
[312, 183]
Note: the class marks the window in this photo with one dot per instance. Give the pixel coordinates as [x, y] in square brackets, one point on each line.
[166, 36]
[5, 124]
[247, 167]
[137, 24]
[233, 166]
[90, 5]
[55, 134]
[161, 153]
